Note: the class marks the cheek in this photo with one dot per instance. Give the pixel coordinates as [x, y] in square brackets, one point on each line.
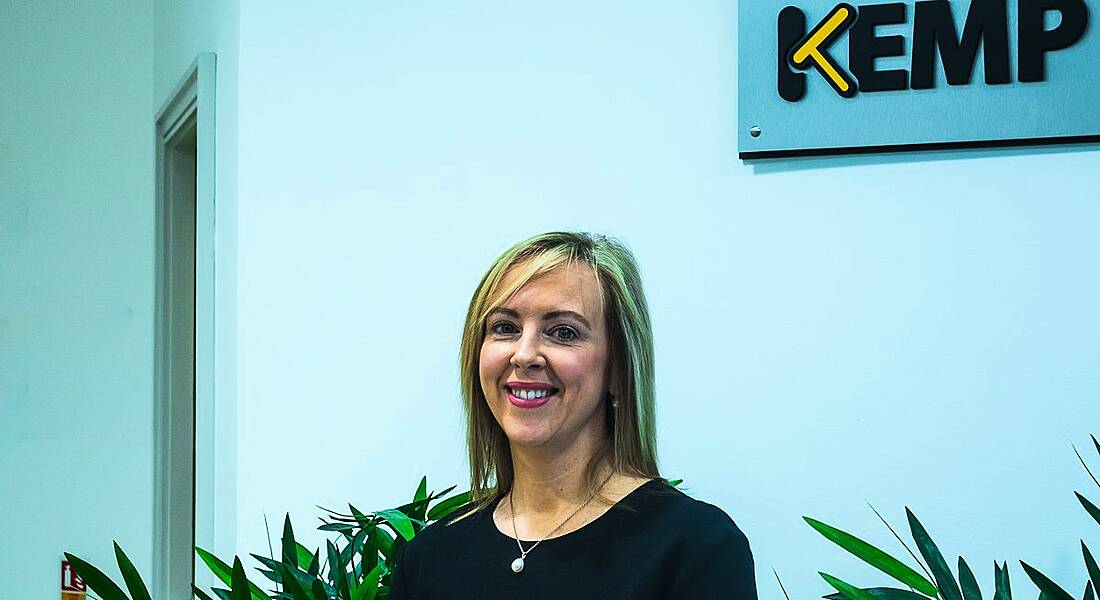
[490, 364]
[582, 370]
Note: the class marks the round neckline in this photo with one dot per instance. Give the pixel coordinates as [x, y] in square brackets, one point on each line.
[586, 526]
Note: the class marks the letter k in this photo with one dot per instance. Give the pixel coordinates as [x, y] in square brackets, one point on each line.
[813, 49]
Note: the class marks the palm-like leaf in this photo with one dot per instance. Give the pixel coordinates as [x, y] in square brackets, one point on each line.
[1046, 586]
[1090, 565]
[945, 581]
[96, 579]
[884, 593]
[1089, 507]
[874, 557]
[130, 575]
[1001, 580]
[846, 589]
[969, 584]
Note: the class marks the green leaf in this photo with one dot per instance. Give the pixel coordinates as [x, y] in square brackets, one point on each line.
[900, 541]
[967, 580]
[1088, 591]
[291, 585]
[1090, 564]
[336, 566]
[269, 563]
[382, 540]
[1085, 464]
[240, 581]
[399, 521]
[369, 588]
[1097, 445]
[223, 572]
[96, 579]
[1090, 507]
[884, 593]
[784, 588]
[314, 562]
[319, 590]
[359, 517]
[216, 566]
[848, 590]
[675, 482]
[1045, 585]
[130, 575]
[874, 557]
[290, 547]
[1000, 589]
[946, 583]
[201, 594]
[305, 556]
[970, 589]
[448, 506]
[421, 490]
[1004, 585]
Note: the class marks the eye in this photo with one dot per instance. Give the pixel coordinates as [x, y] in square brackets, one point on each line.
[569, 330]
[496, 328]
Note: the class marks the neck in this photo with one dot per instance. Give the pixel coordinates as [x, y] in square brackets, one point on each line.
[551, 482]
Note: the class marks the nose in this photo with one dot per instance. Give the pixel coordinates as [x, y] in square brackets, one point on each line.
[528, 353]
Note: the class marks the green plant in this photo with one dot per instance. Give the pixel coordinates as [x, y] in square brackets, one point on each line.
[941, 582]
[356, 565]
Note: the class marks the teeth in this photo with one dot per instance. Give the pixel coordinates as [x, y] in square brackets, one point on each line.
[530, 394]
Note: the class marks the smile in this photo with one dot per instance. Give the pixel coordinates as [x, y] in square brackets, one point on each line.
[529, 398]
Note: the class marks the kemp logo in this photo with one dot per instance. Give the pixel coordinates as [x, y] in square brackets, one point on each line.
[934, 33]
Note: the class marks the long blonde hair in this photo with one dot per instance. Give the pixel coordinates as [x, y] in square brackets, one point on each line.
[631, 426]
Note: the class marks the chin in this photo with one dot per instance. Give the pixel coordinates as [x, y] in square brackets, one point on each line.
[526, 436]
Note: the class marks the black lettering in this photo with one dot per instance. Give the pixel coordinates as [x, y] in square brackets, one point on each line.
[1036, 41]
[934, 27]
[864, 47]
[792, 26]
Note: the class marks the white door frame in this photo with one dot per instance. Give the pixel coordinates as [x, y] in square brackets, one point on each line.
[193, 101]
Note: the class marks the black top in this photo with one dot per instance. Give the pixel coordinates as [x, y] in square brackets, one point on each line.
[670, 546]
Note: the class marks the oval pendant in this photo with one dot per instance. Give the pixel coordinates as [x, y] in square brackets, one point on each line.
[517, 565]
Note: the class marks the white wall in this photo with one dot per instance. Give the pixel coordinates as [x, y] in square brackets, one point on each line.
[912, 330]
[76, 287]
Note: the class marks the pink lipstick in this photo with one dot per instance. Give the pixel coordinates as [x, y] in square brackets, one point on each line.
[530, 402]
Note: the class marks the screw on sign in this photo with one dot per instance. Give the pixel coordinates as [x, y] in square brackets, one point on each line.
[72, 586]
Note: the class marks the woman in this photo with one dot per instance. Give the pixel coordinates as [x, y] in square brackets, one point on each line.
[566, 499]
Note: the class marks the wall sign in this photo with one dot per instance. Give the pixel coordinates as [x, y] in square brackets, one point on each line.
[72, 586]
[840, 78]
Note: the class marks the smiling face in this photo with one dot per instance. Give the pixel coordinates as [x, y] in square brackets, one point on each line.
[550, 332]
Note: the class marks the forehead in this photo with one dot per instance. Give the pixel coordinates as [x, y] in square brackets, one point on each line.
[566, 287]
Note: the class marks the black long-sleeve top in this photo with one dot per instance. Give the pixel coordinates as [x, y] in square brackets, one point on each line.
[669, 546]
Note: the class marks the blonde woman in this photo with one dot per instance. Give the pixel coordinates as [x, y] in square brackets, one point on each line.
[566, 498]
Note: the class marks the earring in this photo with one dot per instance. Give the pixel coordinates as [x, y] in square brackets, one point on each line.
[614, 400]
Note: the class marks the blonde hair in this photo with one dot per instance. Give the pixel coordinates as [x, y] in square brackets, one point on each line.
[631, 426]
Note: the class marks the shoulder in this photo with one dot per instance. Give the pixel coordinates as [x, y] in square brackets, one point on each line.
[688, 515]
[710, 555]
[445, 532]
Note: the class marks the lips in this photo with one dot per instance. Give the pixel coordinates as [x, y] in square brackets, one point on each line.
[529, 403]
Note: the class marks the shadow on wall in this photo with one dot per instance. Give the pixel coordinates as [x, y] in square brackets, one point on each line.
[788, 165]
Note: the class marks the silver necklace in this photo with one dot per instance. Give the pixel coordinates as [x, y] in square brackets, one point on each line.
[517, 564]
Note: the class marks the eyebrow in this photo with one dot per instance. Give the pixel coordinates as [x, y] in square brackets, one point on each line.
[546, 316]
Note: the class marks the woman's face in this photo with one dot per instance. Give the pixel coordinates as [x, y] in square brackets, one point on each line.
[551, 332]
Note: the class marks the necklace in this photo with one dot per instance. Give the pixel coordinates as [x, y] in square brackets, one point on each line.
[517, 564]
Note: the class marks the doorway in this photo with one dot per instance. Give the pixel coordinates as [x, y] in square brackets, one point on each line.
[183, 346]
